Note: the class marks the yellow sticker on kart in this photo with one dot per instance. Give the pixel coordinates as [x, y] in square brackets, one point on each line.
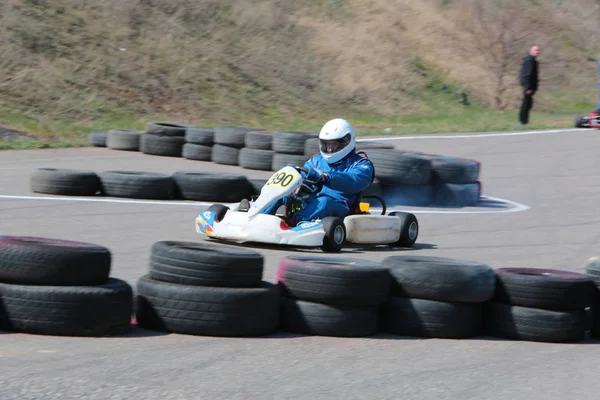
[283, 179]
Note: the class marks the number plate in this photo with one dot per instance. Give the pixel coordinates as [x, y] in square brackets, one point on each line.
[283, 179]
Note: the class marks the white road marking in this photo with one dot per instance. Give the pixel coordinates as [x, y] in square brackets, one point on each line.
[473, 136]
[517, 207]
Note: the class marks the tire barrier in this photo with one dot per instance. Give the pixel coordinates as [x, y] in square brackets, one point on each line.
[405, 178]
[436, 297]
[185, 185]
[59, 287]
[592, 268]
[205, 289]
[540, 305]
[123, 139]
[331, 297]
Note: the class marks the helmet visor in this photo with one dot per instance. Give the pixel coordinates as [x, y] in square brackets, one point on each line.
[334, 145]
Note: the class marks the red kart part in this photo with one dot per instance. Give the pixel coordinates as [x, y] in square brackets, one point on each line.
[592, 120]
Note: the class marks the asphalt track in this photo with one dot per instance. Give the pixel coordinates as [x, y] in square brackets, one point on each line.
[552, 178]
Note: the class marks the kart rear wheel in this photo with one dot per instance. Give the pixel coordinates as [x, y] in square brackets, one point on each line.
[579, 120]
[335, 234]
[220, 210]
[409, 230]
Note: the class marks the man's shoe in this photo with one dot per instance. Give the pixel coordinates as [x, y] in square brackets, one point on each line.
[520, 123]
[244, 205]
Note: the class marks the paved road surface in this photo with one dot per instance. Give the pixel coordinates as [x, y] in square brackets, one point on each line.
[555, 174]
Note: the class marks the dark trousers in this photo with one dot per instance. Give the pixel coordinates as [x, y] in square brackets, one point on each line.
[526, 106]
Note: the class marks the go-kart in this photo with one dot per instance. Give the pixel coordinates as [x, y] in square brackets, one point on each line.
[249, 224]
[592, 120]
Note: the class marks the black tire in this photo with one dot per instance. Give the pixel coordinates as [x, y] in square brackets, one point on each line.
[137, 185]
[456, 195]
[97, 139]
[207, 186]
[44, 261]
[409, 230]
[205, 264]
[220, 210]
[159, 145]
[256, 186]
[256, 159]
[311, 147]
[211, 311]
[341, 281]
[281, 160]
[65, 182]
[259, 140]
[579, 121]
[200, 136]
[232, 136]
[431, 319]
[335, 234]
[309, 318]
[393, 166]
[197, 152]
[166, 129]
[225, 155]
[118, 139]
[365, 146]
[522, 323]
[547, 289]
[291, 142]
[453, 170]
[100, 310]
[440, 278]
[592, 268]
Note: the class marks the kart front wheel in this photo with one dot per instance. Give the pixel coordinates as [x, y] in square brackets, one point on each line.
[409, 229]
[335, 234]
[220, 210]
[579, 121]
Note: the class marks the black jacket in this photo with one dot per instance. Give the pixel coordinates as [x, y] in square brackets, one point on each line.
[529, 73]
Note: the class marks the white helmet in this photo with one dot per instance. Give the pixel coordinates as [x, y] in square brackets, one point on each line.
[336, 140]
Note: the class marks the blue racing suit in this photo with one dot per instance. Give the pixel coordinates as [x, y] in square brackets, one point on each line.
[342, 182]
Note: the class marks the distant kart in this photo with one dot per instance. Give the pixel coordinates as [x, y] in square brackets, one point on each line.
[592, 120]
[330, 233]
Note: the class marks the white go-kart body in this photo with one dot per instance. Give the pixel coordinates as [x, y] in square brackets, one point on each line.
[330, 233]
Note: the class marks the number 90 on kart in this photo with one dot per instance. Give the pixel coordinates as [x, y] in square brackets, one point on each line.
[283, 178]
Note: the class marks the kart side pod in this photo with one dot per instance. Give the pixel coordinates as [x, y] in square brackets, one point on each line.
[396, 229]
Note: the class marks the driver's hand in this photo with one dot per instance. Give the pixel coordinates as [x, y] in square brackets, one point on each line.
[318, 176]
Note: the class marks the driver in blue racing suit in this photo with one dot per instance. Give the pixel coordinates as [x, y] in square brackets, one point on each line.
[343, 173]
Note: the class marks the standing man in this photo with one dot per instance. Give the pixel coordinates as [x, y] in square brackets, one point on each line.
[529, 80]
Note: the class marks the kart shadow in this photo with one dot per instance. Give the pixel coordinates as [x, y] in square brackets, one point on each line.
[348, 248]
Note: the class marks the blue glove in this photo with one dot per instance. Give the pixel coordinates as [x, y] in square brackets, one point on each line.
[317, 176]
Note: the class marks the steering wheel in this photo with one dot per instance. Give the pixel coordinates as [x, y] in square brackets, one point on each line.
[317, 186]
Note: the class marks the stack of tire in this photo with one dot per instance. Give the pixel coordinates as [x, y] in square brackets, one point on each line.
[539, 304]
[592, 268]
[436, 297]
[123, 139]
[257, 152]
[206, 289]
[198, 143]
[97, 138]
[229, 140]
[405, 176]
[186, 185]
[289, 148]
[331, 296]
[163, 139]
[58, 287]
[419, 179]
[454, 180]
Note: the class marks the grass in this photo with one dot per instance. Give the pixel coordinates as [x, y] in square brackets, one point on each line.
[445, 116]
